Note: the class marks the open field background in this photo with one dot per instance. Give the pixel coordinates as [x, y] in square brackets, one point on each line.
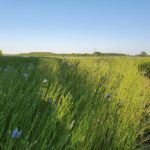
[99, 103]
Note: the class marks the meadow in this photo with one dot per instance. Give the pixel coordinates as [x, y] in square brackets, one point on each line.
[75, 103]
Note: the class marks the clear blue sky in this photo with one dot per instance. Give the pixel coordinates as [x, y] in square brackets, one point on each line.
[75, 25]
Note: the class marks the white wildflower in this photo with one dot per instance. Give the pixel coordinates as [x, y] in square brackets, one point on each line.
[45, 81]
[25, 75]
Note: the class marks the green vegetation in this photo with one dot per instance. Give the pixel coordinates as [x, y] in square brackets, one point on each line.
[94, 103]
[1, 52]
[145, 68]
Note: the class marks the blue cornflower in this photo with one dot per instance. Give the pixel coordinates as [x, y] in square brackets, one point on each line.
[5, 70]
[16, 133]
[50, 101]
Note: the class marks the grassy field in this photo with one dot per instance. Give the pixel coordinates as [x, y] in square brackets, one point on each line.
[86, 103]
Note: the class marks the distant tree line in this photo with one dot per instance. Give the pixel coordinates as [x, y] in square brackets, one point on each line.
[108, 54]
[94, 54]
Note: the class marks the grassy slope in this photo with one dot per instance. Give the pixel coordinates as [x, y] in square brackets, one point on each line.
[82, 115]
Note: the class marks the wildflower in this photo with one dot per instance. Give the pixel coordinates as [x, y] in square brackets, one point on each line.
[121, 103]
[108, 95]
[5, 70]
[37, 116]
[34, 105]
[25, 75]
[50, 101]
[55, 103]
[98, 120]
[45, 81]
[72, 124]
[16, 133]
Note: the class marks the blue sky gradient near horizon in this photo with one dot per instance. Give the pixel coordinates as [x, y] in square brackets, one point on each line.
[79, 26]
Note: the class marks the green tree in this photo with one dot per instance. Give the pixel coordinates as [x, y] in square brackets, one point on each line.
[97, 53]
[143, 53]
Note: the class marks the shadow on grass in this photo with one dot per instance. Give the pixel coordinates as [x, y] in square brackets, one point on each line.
[23, 107]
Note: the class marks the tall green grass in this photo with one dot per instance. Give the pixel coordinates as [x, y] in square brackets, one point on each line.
[73, 104]
[145, 68]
